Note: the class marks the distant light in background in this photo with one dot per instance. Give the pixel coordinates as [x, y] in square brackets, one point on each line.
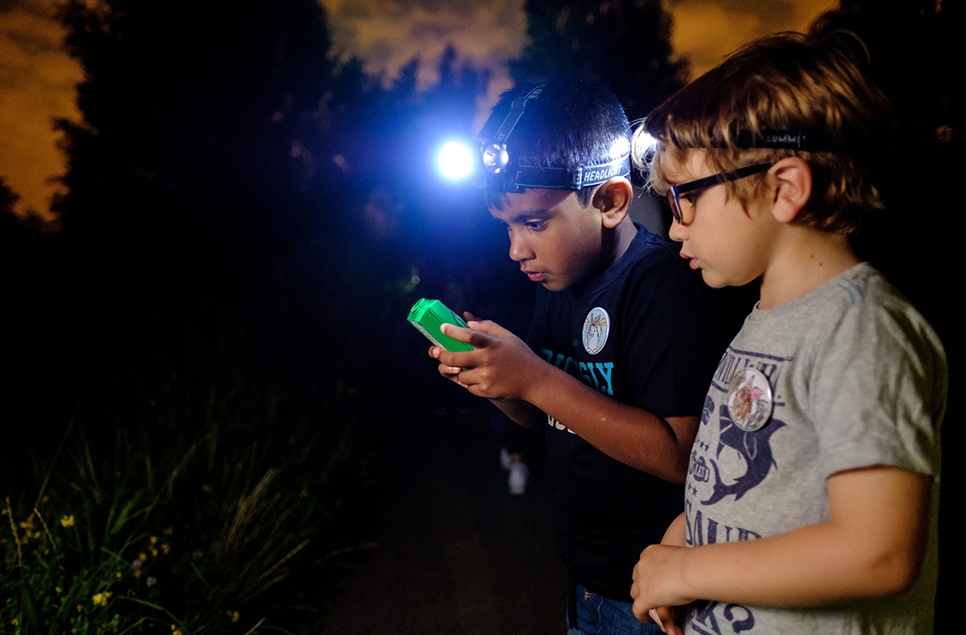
[456, 160]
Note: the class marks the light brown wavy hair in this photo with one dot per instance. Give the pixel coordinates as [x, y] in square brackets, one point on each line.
[788, 81]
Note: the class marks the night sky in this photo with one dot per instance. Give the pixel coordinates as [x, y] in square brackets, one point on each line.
[37, 79]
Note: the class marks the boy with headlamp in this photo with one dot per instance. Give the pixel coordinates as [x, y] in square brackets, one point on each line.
[811, 496]
[617, 355]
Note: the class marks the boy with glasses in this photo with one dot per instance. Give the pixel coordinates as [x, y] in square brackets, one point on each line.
[811, 493]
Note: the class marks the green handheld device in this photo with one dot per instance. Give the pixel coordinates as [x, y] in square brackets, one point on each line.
[429, 315]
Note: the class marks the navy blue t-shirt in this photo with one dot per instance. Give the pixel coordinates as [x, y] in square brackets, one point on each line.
[637, 333]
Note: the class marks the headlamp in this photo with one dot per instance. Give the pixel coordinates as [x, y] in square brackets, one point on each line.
[499, 172]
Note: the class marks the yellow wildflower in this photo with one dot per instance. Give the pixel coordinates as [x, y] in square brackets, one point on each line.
[165, 548]
[234, 616]
[153, 540]
[100, 599]
[67, 521]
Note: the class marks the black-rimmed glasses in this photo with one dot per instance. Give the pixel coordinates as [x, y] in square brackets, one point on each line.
[675, 191]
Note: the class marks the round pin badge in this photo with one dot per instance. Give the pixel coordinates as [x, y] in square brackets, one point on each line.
[750, 399]
[595, 331]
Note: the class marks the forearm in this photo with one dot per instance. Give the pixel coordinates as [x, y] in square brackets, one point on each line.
[807, 567]
[626, 433]
[872, 546]
[675, 535]
[502, 366]
[520, 412]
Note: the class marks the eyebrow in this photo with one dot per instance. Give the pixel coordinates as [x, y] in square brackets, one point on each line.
[522, 217]
[529, 214]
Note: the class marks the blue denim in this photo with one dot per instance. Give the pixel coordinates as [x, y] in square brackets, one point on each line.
[597, 615]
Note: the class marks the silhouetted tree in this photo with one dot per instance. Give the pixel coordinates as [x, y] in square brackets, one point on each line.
[7, 197]
[406, 222]
[916, 55]
[11, 230]
[195, 115]
[623, 43]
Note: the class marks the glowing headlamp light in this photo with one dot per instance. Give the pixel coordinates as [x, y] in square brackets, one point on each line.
[495, 157]
[495, 170]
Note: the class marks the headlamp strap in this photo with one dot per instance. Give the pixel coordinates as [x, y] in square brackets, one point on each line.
[778, 139]
[566, 179]
[516, 111]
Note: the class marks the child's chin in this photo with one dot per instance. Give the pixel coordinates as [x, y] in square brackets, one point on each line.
[551, 285]
[714, 281]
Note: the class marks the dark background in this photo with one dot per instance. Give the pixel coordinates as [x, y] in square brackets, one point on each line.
[246, 224]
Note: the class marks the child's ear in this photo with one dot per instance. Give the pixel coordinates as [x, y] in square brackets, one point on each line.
[613, 200]
[793, 188]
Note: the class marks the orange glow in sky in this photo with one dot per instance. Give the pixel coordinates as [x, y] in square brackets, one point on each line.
[37, 78]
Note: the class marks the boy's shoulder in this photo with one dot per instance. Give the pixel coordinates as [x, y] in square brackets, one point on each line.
[856, 323]
[861, 288]
[863, 296]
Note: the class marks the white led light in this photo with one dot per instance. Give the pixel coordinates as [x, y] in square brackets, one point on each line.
[641, 144]
[455, 160]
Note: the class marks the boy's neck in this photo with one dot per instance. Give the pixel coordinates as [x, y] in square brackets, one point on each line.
[804, 260]
[615, 244]
[623, 236]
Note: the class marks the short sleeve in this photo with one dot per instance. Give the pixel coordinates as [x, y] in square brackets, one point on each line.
[878, 387]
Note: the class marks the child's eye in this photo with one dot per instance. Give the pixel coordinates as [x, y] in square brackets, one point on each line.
[535, 224]
[692, 197]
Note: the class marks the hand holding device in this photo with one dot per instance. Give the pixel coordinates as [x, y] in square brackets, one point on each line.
[429, 315]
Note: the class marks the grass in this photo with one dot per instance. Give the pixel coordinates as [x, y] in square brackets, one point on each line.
[203, 503]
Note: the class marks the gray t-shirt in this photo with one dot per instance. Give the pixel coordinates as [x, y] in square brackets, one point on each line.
[846, 376]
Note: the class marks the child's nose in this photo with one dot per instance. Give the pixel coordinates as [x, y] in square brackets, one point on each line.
[519, 249]
[677, 232]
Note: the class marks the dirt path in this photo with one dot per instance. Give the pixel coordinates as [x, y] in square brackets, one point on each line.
[457, 553]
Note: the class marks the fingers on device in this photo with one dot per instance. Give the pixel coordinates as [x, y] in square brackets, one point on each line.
[429, 315]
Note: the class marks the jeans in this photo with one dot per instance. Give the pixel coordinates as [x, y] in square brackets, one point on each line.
[597, 615]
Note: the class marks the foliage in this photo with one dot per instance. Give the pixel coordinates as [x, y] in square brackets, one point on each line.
[7, 198]
[221, 283]
[201, 532]
[53, 584]
[622, 43]
[197, 123]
